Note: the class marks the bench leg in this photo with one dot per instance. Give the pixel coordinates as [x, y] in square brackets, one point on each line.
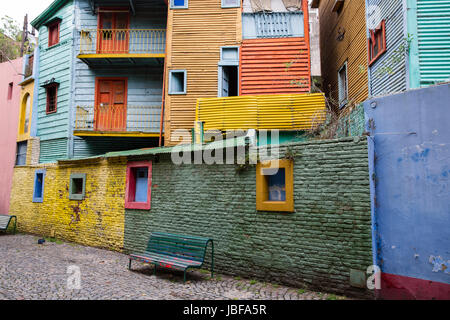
[154, 270]
[184, 278]
[129, 265]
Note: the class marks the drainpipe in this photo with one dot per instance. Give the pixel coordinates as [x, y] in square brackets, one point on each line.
[161, 121]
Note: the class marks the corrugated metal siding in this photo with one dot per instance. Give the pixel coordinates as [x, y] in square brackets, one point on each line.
[94, 146]
[353, 48]
[280, 111]
[264, 69]
[52, 150]
[194, 38]
[433, 27]
[388, 73]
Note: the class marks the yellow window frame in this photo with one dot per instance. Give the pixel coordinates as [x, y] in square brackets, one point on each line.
[262, 188]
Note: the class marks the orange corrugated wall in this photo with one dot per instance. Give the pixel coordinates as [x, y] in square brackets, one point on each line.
[263, 68]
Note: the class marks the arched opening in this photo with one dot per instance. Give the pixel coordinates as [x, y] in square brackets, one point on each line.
[25, 114]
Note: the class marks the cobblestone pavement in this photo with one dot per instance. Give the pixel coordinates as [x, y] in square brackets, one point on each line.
[32, 271]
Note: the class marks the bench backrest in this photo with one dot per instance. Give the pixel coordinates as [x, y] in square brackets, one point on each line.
[4, 221]
[188, 247]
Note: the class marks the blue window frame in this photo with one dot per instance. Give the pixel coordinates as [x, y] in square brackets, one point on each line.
[177, 81]
[141, 175]
[38, 192]
[178, 4]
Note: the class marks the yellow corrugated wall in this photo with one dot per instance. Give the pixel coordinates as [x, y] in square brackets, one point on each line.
[282, 111]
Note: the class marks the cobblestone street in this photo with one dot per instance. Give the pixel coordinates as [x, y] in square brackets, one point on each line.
[32, 271]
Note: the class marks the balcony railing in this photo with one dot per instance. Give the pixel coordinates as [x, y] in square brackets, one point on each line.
[123, 41]
[118, 118]
[272, 111]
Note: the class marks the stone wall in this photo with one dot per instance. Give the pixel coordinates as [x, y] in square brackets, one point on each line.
[328, 235]
[98, 220]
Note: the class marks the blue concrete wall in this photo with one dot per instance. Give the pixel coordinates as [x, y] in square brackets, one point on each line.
[410, 168]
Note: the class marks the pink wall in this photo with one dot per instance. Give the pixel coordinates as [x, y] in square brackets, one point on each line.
[9, 118]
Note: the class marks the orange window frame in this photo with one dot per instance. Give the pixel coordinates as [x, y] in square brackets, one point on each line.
[377, 36]
[262, 188]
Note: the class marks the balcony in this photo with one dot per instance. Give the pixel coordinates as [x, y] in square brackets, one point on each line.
[134, 46]
[118, 121]
[286, 112]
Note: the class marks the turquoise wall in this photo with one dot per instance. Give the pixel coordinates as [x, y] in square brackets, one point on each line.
[55, 62]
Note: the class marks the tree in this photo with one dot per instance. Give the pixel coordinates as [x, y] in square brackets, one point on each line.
[10, 39]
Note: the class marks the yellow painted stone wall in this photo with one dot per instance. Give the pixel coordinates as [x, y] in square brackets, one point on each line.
[98, 220]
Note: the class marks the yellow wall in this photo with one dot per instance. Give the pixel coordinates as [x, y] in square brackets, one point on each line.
[26, 89]
[194, 38]
[352, 48]
[98, 220]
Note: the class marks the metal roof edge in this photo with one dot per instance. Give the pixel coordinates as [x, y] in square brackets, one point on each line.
[51, 9]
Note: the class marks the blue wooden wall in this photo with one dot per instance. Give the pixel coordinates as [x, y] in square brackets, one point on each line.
[55, 62]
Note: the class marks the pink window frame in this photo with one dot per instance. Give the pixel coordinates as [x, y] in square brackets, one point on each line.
[130, 190]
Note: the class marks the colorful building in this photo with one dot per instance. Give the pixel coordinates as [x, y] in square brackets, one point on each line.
[10, 93]
[405, 46]
[101, 76]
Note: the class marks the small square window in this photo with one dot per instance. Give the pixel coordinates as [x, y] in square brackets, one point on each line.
[231, 3]
[138, 188]
[377, 42]
[177, 81]
[38, 193]
[53, 33]
[77, 187]
[179, 4]
[52, 98]
[10, 90]
[343, 85]
[274, 186]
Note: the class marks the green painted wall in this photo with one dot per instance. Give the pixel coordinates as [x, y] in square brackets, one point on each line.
[55, 62]
[329, 234]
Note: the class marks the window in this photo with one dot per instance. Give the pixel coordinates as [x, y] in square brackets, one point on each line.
[38, 193]
[377, 42]
[138, 188]
[272, 25]
[343, 85]
[53, 32]
[231, 3]
[338, 4]
[275, 186]
[179, 4]
[52, 97]
[25, 114]
[10, 90]
[77, 187]
[177, 82]
[21, 154]
[228, 82]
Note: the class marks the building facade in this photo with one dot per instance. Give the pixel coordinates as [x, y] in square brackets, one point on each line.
[10, 93]
[405, 46]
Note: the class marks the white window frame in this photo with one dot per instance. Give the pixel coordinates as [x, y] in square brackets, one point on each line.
[173, 6]
[236, 5]
[343, 101]
[184, 84]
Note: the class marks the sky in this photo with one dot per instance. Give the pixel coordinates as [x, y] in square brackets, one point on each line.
[17, 9]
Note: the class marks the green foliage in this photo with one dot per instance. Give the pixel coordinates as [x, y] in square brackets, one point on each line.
[387, 67]
[10, 37]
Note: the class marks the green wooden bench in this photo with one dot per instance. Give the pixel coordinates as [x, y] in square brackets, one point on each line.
[5, 220]
[175, 251]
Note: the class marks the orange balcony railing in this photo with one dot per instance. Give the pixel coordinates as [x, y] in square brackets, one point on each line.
[123, 41]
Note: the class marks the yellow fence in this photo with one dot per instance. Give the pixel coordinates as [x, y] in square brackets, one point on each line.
[123, 41]
[284, 112]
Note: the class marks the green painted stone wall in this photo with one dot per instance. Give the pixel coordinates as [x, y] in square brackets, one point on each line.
[352, 124]
[328, 235]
